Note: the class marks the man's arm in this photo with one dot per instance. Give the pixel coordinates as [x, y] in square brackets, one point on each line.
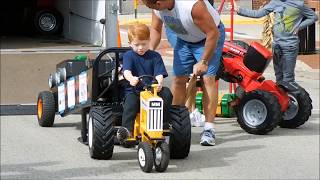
[203, 19]
[155, 31]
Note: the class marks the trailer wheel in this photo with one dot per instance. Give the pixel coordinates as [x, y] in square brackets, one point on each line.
[259, 112]
[145, 156]
[100, 132]
[180, 136]
[299, 110]
[46, 109]
[161, 157]
[48, 21]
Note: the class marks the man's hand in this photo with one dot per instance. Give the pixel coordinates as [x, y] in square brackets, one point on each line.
[134, 81]
[199, 69]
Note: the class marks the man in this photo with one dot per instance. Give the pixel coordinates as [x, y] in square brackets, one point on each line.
[200, 38]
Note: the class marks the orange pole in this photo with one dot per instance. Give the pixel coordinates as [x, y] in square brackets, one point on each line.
[118, 34]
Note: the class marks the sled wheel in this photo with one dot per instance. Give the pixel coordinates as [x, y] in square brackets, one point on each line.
[180, 136]
[145, 156]
[161, 157]
[100, 132]
[259, 112]
[299, 110]
[45, 109]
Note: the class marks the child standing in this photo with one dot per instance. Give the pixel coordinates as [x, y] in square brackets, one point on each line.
[137, 62]
[291, 16]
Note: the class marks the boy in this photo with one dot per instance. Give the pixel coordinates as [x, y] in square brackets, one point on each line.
[289, 20]
[137, 62]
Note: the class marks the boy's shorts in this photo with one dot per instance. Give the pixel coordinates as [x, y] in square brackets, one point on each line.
[187, 54]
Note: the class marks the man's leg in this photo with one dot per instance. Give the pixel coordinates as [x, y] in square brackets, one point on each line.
[178, 89]
[209, 100]
[210, 97]
[166, 96]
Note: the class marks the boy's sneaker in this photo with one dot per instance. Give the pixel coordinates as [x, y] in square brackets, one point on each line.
[192, 118]
[199, 118]
[208, 138]
[122, 134]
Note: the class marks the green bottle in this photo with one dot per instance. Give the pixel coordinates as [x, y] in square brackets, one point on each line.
[81, 57]
[199, 100]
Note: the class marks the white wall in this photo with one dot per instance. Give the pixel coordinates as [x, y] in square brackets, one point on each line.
[79, 28]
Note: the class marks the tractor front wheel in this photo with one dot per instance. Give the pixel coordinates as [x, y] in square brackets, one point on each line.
[258, 112]
[161, 157]
[145, 157]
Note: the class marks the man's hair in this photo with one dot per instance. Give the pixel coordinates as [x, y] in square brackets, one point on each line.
[138, 31]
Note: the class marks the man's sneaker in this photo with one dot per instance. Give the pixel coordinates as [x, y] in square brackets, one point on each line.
[208, 138]
[122, 134]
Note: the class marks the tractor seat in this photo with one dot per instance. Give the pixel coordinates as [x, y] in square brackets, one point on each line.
[257, 57]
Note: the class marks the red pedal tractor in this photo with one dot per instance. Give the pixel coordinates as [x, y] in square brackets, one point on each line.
[263, 104]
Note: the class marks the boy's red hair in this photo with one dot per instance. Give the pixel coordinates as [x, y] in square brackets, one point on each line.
[138, 31]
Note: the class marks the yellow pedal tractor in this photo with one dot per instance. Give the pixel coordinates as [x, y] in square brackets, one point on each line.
[95, 88]
[153, 148]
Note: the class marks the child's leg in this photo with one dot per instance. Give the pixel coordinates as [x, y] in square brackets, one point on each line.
[130, 109]
[278, 62]
[289, 62]
[166, 95]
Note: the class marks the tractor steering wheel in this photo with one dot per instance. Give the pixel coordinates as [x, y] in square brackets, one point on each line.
[145, 85]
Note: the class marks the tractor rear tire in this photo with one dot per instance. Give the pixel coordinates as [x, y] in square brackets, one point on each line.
[100, 132]
[259, 112]
[180, 136]
[46, 109]
[302, 107]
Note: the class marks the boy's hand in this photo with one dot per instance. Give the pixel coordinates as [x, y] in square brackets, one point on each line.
[134, 81]
[159, 78]
[296, 31]
[160, 85]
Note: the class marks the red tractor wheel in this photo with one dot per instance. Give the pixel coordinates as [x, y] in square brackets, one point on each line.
[299, 110]
[259, 112]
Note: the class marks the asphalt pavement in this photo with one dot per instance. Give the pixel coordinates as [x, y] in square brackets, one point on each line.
[32, 152]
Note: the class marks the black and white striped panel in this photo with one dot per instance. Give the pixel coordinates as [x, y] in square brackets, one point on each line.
[155, 119]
